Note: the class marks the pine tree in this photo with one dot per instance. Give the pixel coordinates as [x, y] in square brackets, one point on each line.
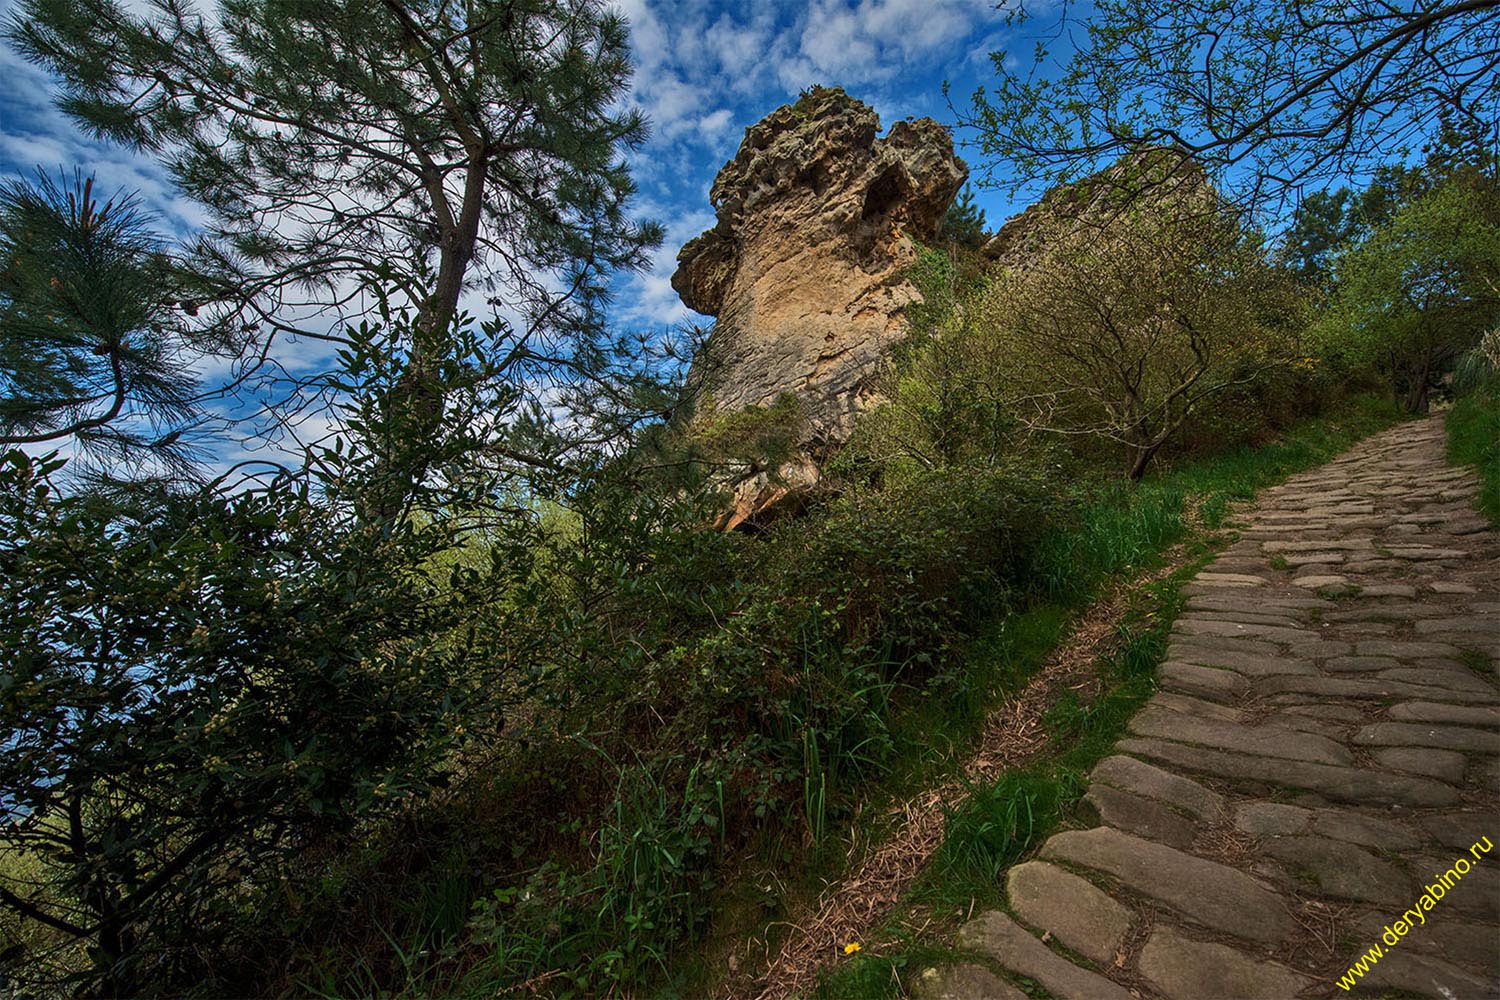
[92, 355]
[1323, 224]
[964, 221]
[416, 147]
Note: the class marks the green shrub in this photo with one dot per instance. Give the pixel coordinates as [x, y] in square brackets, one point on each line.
[1474, 423]
[724, 688]
[200, 703]
[210, 696]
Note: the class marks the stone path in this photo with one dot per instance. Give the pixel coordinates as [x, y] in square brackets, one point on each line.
[1324, 746]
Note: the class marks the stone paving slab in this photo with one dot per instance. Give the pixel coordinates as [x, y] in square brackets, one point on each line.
[1184, 969]
[1325, 744]
[1215, 895]
[1263, 741]
[1135, 775]
[1139, 815]
[1000, 939]
[1341, 784]
[1070, 908]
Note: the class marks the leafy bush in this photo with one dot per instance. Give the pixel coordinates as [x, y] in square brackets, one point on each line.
[209, 695]
[1474, 423]
[945, 400]
[197, 699]
[733, 685]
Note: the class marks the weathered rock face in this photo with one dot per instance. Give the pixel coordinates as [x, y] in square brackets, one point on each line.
[805, 269]
[1156, 180]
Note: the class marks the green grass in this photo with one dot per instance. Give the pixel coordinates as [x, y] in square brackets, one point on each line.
[999, 659]
[1473, 427]
[993, 829]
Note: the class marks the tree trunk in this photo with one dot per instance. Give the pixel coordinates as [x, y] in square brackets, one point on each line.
[1417, 391]
[1142, 459]
[418, 395]
[113, 942]
[456, 252]
[1419, 406]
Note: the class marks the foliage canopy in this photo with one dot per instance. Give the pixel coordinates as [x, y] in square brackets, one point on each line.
[1420, 290]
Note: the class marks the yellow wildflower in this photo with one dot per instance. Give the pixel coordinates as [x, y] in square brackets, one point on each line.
[851, 947]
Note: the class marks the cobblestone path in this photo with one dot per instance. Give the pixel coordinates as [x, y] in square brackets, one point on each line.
[1323, 748]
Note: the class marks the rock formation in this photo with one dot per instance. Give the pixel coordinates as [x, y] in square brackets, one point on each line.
[805, 269]
[1155, 180]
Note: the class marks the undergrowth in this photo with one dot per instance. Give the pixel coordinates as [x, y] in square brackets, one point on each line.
[777, 690]
[1474, 439]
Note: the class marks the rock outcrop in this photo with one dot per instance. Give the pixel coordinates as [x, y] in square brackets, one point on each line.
[805, 269]
[1155, 180]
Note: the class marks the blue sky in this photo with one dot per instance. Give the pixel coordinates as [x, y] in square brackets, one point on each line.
[705, 70]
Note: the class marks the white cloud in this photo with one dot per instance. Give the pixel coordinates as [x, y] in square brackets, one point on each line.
[691, 54]
[875, 40]
[833, 42]
[673, 104]
[35, 135]
[716, 124]
[739, 48]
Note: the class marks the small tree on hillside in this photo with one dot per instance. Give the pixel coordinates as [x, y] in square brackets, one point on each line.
[963, 222]
[1123, 328]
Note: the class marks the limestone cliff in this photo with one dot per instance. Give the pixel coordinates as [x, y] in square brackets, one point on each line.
[805, 268]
